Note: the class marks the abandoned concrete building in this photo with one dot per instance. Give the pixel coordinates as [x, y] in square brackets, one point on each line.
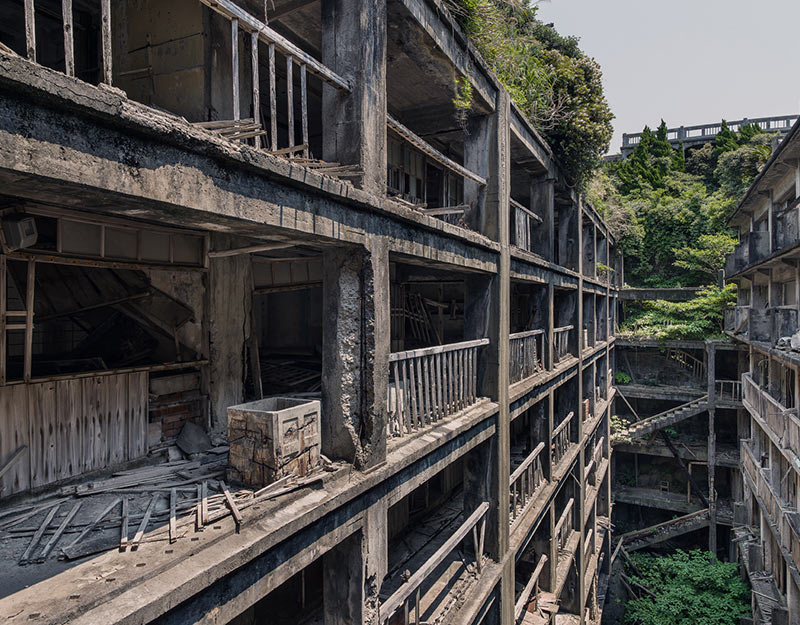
[765, 266]
[381, 329]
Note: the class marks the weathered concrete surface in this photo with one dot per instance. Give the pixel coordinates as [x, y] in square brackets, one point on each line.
[682, 294]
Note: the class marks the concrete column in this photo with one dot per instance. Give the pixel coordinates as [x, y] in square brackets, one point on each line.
[354, 124]
[355, 352]
[343, 582]
[543, 204]
[376, 535]
[230, 301]
[480, 135]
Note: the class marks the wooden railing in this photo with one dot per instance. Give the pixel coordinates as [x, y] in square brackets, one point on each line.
[526, 351]
[781, 420]
[562, 438]
[431, 384]
[730, 390]
[525, 481]
[561, 342]
[531, 589]
[590, 471]
[523, 220]
[407, 596]
[564, 526]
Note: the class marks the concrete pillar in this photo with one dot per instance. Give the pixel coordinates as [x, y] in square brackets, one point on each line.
[480, 135]
[376, 565]
[543, 204]
[355, 352]
[343, 582]
[354, 124]
[230, 301]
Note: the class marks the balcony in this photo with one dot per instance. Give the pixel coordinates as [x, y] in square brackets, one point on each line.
[739, 258]
[787, 233]
[431, 384]
[782, 422]
[759, 246]
[523, 221]
[525, 482]
[784, 519]
[526, 351]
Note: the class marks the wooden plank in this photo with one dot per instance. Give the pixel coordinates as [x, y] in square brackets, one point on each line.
[38, 535]
[29, 301]
[273, 100]
[235, 65]
[69, 39]
[12, 460]
[61, 528]
[173, 528]
[137, 538]
[14, 434]
[3, 322]
[199, 520]
[69, 452]
[43, 433]
[96, 520]
[30, 29]
[105, 16]
[231, 503]
[117, 406]
[123, 529]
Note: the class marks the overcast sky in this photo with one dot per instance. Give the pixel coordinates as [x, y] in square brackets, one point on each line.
[688, 61]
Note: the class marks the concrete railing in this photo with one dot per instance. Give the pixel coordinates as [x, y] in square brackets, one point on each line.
[431, 384]
[782, 421]
[787, 232]
[526, 352]
[564, 525]
[782, 516]
[729, 390]
[700, 132]
[561, 342]
[562, 438]
[525, 481]
[407, 596]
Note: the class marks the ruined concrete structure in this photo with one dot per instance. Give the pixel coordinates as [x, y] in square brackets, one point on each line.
[765, 267]
[203, 206]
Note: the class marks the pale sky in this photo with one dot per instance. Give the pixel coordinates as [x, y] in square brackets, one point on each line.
[688, 61]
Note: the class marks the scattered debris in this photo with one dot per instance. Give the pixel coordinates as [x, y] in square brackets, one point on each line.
[193, 439]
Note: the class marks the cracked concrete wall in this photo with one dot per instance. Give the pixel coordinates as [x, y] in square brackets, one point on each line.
[355, 353]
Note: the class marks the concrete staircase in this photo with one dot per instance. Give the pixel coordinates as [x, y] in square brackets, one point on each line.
[666, 531]
[668, 417]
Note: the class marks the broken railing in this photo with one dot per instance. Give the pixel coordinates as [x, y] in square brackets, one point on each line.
[561, 342]
[451, 214]
[525, 481]
[730, 390]
[430, 384]
[526, 350]
[562, 436]
[563, 528]
[594, 464]
[407, 597]
[783, 421]
[523, 221]
[531, 590]
[258, 31]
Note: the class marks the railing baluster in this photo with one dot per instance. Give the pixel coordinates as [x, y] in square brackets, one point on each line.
[235, 66]
[273, 100]
[105, 35]
[414, 406]
[304, 108]
[256, 86]
[290, 98]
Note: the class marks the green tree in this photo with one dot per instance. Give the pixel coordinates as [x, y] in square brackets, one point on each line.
[725, 141]
[708, 256]
[688, 589]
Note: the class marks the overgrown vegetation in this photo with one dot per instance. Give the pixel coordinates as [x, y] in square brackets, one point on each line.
[555, 85]
[686, 589]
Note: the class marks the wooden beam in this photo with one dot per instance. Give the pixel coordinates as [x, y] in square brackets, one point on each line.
[38, 534]
[432, 152]
[15, 456]
[231, 503]
[273, 100]
[290, 99]
[173, 527]
[256, 85]
[236, 251]
[145, 520]
[69, 38]
[235, 66]
[29, 302]
[30, 29]
[290, 7]
[61, 528]
[105, 6]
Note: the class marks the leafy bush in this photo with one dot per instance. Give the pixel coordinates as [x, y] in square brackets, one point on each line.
[620, 377]
[689, 588]
[699, 318]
